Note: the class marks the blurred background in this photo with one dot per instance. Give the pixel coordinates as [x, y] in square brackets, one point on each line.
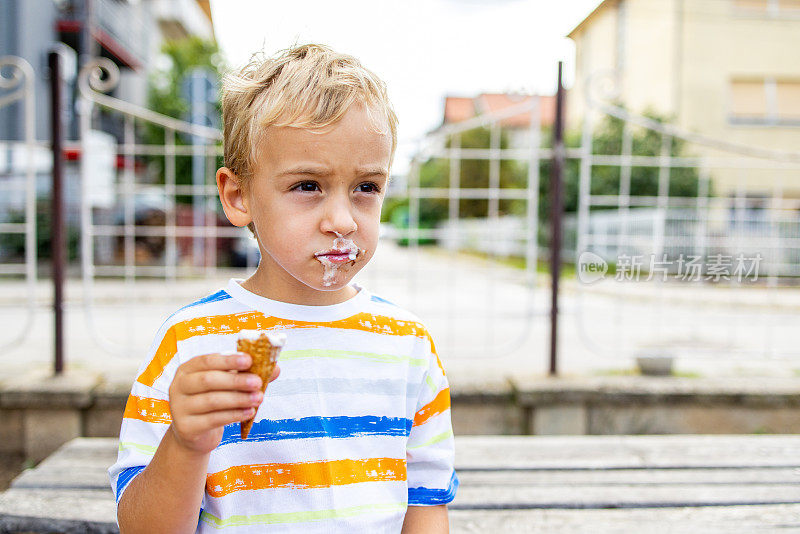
[585, 194]
[680, 176]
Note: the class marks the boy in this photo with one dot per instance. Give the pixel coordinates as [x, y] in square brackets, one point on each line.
[356, 435]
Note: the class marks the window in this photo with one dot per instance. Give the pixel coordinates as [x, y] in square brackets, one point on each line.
[788, 99]
[765, 101]
[771, 8]
[752, 5]
[748, 98]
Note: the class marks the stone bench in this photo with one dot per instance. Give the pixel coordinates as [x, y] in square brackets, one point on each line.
[686, 483]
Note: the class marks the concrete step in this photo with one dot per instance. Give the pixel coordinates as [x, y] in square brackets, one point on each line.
[731, 484]
[708, 520]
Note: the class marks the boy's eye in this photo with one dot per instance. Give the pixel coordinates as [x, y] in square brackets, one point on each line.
[368, 187]
[306, 186]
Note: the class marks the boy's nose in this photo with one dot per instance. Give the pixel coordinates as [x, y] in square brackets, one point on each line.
[338, 219]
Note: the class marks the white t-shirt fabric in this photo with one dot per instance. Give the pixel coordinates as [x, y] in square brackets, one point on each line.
[356, 428]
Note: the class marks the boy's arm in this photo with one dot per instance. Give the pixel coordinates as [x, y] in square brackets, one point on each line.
[167, 495]
[426, 520]
[430, 454]
[204, 396]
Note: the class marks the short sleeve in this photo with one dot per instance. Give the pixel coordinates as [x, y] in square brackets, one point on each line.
[430, 451]
[147, 416]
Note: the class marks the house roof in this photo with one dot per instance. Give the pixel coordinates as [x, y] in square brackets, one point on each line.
[457, 109]
[205, 5]
[582, 24]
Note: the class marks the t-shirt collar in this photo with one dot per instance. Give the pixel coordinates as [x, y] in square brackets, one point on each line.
[276, 308]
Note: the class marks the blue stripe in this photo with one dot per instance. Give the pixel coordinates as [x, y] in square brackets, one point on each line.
[376, 298]
[215, 297]
[125, 477]
[428, 496]
[319, 427]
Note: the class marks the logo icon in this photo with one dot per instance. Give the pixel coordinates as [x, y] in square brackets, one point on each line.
[591, 267]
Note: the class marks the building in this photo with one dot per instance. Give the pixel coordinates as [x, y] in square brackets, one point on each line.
[728, 69]
[128, 32]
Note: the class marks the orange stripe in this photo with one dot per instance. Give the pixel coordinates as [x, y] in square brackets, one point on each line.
[166, 351]
[147, 410]
[304, 475]
[232, 324]
[435, 407]
[433, 350]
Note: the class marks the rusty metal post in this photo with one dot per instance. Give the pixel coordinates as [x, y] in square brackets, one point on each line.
[556, 212]
[58, 249]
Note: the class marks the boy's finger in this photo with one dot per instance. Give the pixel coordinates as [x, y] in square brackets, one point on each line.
[203, 381]
[210, 421]
[220, 362]
[275, 373]
[217, 401]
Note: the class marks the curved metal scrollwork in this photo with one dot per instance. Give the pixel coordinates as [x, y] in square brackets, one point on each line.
[100, 75]
[603, 86]
[16, 69]
[16, 78]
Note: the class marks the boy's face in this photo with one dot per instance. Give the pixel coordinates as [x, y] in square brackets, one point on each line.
[315, 199]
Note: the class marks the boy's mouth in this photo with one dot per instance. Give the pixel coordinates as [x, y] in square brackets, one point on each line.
[344, 252]
[338, 255]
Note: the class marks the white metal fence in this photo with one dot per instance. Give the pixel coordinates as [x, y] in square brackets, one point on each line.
[18, 189]
[139, 231]
[140, 241]
[724, 235]
[483, 310]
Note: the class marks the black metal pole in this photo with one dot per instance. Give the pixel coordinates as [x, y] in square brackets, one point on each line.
[57, 203]
[556, 210]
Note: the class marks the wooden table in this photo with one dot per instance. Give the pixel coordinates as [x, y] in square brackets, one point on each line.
[591, 484]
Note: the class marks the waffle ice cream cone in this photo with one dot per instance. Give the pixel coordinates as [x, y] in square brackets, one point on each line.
[264, 348]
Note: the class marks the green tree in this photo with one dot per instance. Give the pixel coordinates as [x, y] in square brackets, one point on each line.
[607, 140]
[474, 173]
[165, 97]
[683, 181]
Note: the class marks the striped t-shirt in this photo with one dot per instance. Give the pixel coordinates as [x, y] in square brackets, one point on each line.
[355, 429]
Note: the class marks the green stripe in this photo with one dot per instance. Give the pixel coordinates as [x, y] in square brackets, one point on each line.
[146, 449]
[351, 355]
[435, 439]
[430, 383]
[300, 517]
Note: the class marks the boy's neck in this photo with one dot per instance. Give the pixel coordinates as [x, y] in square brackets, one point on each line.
[300, 294]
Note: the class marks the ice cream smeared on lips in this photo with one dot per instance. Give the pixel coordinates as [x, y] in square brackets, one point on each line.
[344, 252]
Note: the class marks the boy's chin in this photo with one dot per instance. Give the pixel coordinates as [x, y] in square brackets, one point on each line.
[335, 285]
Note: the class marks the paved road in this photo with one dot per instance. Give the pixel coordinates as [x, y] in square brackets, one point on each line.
[487, 325]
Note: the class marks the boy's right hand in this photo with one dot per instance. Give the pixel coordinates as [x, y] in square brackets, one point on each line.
[206, 395]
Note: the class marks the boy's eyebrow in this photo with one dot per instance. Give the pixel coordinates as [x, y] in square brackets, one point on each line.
[373, 171]
[317, 171]
[314, 171]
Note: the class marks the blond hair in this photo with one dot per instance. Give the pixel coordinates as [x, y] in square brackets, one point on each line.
[307, 86]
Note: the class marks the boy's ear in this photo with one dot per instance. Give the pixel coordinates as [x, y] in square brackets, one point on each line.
[232, 197]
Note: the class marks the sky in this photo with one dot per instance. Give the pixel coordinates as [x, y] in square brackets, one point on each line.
[423, 49]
